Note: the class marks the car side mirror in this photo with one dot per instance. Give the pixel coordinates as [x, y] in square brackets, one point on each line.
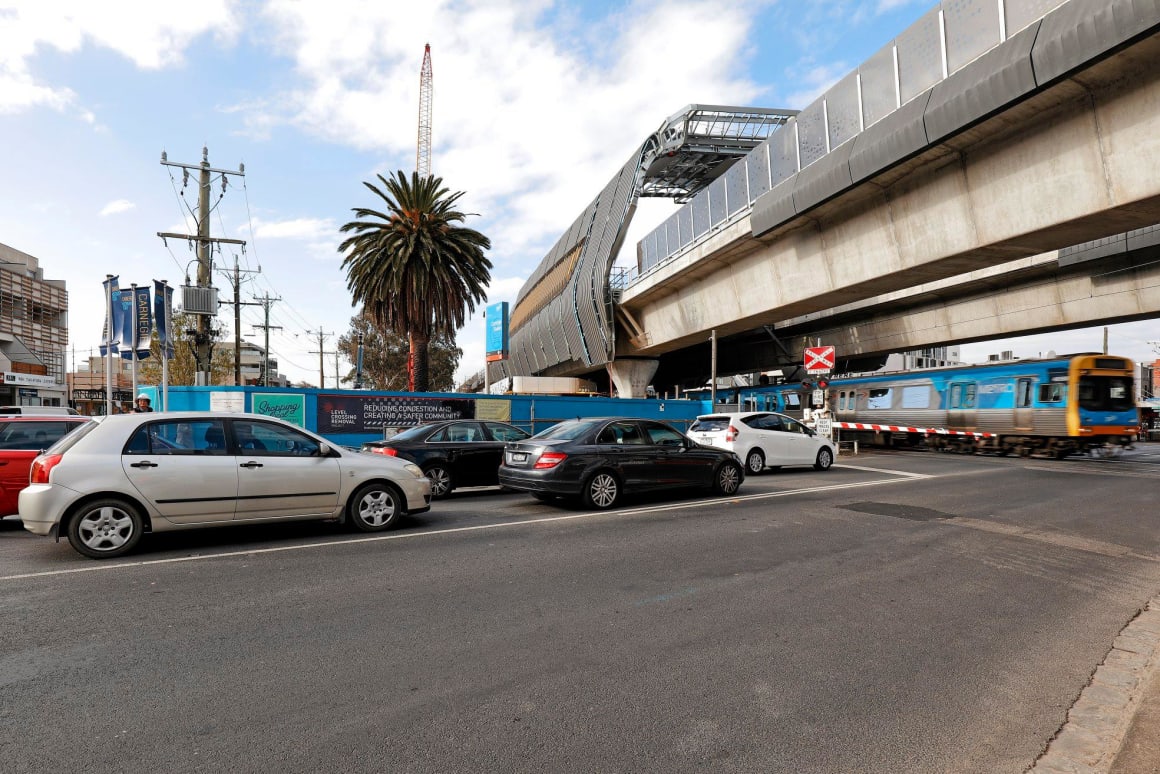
[324, 450]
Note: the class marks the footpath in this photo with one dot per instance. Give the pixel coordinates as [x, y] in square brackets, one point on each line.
[1114, 726]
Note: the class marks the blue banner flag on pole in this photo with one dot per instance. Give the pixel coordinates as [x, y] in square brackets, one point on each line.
[123, 308]
[111, 337]
[143, 322]
[163, 315]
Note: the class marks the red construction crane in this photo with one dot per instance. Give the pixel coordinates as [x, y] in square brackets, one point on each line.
[426, 87]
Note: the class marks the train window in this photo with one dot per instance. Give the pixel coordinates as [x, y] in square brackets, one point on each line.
[792, 400]
[1023, 393]
[879, 399]
[1105, 393]
[917, 397]
[1051, 393]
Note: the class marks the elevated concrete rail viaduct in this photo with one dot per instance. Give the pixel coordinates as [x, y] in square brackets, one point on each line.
[992, 152]
[1055, 141]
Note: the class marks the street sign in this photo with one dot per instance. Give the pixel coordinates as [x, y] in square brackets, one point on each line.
[824, 427]
[819, 397]
[819, 360]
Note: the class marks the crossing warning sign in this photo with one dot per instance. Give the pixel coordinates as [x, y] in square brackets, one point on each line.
[819, 360]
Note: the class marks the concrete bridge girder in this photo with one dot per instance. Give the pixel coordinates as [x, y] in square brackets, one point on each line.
[984, 197]
[1113, 291]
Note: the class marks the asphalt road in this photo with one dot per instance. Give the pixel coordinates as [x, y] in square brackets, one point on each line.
[900, 613]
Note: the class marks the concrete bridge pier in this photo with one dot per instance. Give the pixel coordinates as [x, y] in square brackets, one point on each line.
[631, 375]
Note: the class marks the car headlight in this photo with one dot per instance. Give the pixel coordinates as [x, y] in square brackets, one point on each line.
[414, 470]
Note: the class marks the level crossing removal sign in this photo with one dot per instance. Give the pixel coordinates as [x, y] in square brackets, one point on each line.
[819, 360]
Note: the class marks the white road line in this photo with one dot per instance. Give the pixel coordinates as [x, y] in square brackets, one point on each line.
[904, 478]
[904, 473]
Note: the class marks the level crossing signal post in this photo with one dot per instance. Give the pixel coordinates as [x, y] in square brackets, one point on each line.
[819, 362]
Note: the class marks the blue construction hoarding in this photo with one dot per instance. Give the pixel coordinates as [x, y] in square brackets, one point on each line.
[351, 417]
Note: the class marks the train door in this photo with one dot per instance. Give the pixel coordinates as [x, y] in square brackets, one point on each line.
[792, 404]
[962, 405]
[1024, 413]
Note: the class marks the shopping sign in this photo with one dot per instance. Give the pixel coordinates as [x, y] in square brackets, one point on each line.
[819, 360]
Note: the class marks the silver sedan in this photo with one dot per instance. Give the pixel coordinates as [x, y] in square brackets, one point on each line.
[118, 477]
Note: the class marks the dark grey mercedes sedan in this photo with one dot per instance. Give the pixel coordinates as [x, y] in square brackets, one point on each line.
[598, 460]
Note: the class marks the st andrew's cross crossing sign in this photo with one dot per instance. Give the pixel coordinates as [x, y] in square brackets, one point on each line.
[819, 360]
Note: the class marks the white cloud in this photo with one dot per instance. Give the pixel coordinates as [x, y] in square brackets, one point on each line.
[814, 81]
[150, 33]
[530, 127]
[504, 289]
[306, 229]
[886, 6]
[117, 206]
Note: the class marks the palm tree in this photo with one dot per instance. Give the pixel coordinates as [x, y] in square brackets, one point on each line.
[413, 268]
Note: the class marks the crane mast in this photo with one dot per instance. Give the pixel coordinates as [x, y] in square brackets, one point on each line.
[426, 86]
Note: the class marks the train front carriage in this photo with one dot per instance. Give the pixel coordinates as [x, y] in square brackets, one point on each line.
[1054, 407]
[1101, 405]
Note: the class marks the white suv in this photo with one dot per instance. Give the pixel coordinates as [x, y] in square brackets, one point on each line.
[764, 439]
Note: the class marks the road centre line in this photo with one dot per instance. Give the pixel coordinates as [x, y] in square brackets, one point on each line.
[905, 478]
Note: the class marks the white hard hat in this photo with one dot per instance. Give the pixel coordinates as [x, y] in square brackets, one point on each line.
[143, 396]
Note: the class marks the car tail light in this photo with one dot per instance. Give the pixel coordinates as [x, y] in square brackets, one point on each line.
[732, 434]
[387, 450]
[549, 460]
[42, 466]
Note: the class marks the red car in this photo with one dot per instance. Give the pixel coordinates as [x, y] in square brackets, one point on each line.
[22, 438]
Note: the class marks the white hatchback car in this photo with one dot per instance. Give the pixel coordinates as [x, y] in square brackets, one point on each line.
[117, 477]
[764, 439]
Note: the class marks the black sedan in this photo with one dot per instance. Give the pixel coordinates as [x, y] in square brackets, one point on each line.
[453, 453]
[600, 459]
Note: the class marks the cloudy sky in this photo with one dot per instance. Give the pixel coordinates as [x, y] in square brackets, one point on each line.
[536, 105]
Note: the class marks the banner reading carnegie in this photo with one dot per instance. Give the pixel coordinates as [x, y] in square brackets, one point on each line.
[373, 413]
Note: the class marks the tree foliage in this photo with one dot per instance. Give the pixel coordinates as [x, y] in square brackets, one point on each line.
[412, 267]
[385, 358]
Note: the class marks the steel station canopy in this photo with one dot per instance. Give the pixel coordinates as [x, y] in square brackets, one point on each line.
[698, 143]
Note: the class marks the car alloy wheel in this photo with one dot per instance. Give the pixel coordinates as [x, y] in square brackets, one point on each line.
[825, 459]
[105, 528]
[755, 461]
[375, 507]
[440, 481]
[728, 479]
[602, 490]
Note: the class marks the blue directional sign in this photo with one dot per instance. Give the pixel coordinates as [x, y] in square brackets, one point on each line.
[497, 331]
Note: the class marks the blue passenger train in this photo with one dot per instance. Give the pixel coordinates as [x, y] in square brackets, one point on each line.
[1054, 407]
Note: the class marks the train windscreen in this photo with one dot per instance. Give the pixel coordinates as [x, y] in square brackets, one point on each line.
[1106, 393]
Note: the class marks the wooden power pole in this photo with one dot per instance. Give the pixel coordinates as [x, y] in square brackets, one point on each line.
[202, 302]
